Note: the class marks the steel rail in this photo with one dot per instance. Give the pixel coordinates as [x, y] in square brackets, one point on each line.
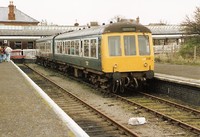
[194, 111]
[125, 130]
[163, 116]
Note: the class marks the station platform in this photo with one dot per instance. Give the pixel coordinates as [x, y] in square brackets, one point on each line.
[185, 74]
[25, 112]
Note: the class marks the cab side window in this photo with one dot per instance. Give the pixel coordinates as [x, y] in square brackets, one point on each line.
[144, 46]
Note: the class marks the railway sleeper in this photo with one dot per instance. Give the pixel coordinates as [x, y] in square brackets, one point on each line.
[92, 123]
[103, 131]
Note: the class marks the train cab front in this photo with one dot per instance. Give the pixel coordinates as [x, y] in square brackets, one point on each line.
[129, 58]
[134, 78]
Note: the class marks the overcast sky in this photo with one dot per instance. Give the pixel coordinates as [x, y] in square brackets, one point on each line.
[66, 12]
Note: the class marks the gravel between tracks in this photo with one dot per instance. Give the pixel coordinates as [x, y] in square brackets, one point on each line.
[153, 128]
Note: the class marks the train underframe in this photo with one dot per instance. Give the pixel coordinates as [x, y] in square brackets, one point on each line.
[113, 82]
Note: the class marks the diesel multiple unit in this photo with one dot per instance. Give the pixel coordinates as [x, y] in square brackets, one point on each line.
[112, 56]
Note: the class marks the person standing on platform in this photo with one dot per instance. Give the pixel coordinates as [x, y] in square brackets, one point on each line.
[1, 54]
[8, 51]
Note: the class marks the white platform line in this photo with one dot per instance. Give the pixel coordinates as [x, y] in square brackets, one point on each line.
[177, 79]
[78, 132]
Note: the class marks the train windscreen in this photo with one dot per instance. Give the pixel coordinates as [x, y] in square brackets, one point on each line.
[114, 45]
[143, 44]
[129, 45]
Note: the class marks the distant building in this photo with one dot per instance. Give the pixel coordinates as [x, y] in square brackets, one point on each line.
[94, 23]
[12, 16]
[20, 31]
[167, 34]
[167, 38]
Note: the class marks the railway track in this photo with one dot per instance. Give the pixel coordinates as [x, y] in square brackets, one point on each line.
[94, 122]
[191, 131]
[180, 115]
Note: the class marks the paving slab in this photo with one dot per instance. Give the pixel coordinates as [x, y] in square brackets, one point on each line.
[23, 113]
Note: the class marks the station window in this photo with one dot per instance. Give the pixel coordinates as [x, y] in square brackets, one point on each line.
[143, 43]
[18, 45]
[114, 45]
[86, 48]
[30, 45]
[129, 45]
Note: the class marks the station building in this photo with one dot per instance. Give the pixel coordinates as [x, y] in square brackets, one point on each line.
[11, 22]
[167, 38]
[20, 31]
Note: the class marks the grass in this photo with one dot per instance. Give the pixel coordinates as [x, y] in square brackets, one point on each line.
[176, 59]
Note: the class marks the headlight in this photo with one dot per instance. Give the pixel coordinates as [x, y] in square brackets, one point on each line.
[115, 66]
[145, 65]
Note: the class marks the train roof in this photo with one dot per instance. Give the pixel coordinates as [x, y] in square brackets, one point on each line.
[46, 38]
[113, 27]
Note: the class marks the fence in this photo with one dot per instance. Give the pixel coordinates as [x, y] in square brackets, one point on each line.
[162, 49]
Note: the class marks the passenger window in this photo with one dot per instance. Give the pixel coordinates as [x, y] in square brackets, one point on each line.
[63, 47]
[129, 45]
[93, 46]
[143, 43]
[72, 48]
[58, 47]
[60, 43]
[47, 47]
[68, 47]
[86, 48]
[77, 47]
[43, 48]
[114, 45]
